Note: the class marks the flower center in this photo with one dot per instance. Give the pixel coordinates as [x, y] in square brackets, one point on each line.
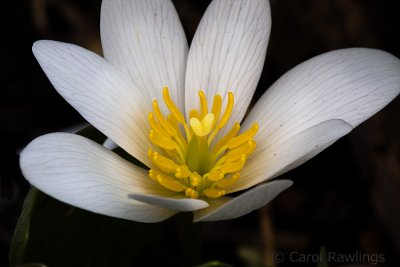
[190, 158]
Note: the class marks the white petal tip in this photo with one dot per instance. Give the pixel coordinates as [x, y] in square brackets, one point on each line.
[38, 45]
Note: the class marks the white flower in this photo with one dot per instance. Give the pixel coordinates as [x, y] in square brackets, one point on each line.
[145, 50]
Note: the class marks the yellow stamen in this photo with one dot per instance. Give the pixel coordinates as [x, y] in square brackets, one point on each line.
[231, 167]
[160, 140]
[221, 143]
[170, 183]
[163, 163]
[153, 174]
[227, 182]
[216, 108]
[171, 106]
[215, 175]
[182, 172]
[156, 126]
[242, 138]
[175, 111]
[214, 193]
[246, 149]
[225, 116]
[195, 179]
[164, 123]
[189, 192]
[195, 164]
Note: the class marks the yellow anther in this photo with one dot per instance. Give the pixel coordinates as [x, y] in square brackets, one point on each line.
[180, 140]
[203, 127]
[231, 167]
[214, 193]
[182, 172]
[235, 154]
[203, 104]
[153, 174]
[164, 123]
[227, 182]
[195, 179]
[170, 183]
[242, 138]
[222, 142]
[161, 141]
[215, 175]
[174, 122]
[225, 117]
[172, 107]
[163, 163]
[228, 111]
[216, 108]
[156, 126]
[189, 192]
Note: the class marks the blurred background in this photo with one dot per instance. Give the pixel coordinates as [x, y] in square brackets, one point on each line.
[346, 199]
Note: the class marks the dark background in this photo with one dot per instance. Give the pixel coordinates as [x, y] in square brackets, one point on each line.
[346, 199]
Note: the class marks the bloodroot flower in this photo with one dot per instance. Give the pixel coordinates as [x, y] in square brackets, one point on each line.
[180, 112]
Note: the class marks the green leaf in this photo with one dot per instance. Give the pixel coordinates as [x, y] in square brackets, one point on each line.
[323, 258]
[214, 264]
[57, 234]
[22, 229]
[31, 265]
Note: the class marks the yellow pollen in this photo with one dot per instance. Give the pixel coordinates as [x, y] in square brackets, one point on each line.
[189, 156]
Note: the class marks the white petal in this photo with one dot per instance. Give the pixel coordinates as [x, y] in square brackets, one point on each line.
[349, 84]
[273, 159]
[145, 40]
[99, 92]
[177, 202]
[110, 144]
[228, 52]
[80, 172]
[230, 208]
